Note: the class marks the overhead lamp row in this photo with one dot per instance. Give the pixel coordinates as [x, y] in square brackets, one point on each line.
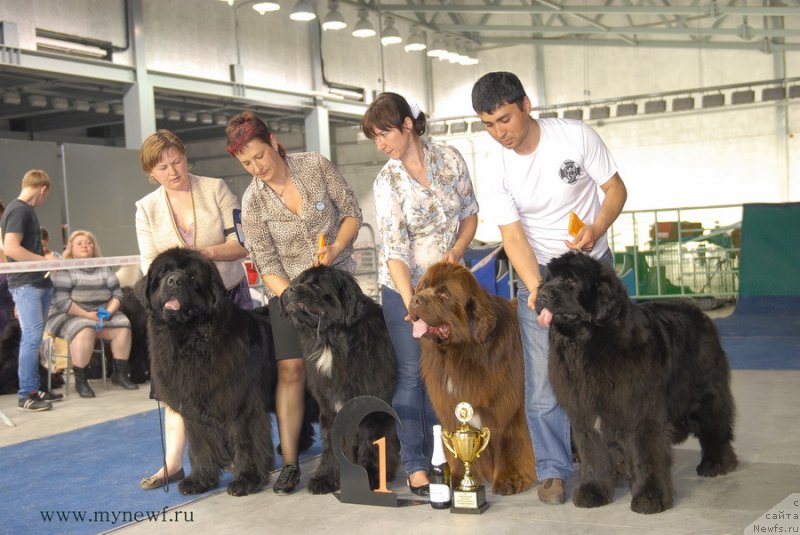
[450, 48]
[15, 98]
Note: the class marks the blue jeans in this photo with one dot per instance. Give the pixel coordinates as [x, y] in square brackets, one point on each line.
[32, 306]
[547, 422]
[410, 397]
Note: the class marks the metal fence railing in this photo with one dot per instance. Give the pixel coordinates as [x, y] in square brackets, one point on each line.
[679, 252]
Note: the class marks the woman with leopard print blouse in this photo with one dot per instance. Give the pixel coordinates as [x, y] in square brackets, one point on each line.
[291, 201]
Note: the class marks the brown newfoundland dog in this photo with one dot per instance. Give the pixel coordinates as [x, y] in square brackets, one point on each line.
[634, 379]
[472, 351]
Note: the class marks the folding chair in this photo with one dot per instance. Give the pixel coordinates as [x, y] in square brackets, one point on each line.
[52, 354]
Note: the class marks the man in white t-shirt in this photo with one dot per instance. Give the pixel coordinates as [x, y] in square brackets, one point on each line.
[550, 167]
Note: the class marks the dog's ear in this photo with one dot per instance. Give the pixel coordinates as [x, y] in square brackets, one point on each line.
[609, 302]
[140, 290]
[481, 317]
[350, 296]
[218, 292]
[480, 312]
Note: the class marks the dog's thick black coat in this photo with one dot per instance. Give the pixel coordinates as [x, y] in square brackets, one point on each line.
[214, 364]
[139, 359]
[9, 362]
[634, 379]
[348, 354]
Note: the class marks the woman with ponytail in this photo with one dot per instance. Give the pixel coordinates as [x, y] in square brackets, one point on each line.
[426, 213]
[292, 200]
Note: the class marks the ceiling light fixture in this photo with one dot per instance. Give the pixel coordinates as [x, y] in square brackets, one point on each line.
[37, 101]
[437, 48]
[264, 7]
[118, 108]
[364, 27]
[416, 40]
[220, 120]
[12, 97]
[159, 113]
[303, 11]
[101, 107]
[59, 103]
[190, 117]
[390, 35]
[80, 105]
[333, 20]
[229, 2]
[206, 118]
[173, 115]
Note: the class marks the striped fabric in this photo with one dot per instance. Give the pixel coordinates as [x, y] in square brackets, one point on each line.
[90, 289]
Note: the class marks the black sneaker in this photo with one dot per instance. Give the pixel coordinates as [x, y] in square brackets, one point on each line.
[49, 395]
[287, 480]
[33, 403]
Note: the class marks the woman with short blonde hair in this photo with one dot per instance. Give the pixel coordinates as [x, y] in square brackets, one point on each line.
[85, 307]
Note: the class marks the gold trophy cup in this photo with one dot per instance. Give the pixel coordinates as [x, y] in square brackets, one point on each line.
[466, 444]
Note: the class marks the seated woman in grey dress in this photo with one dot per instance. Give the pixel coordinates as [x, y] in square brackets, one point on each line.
[76, 313]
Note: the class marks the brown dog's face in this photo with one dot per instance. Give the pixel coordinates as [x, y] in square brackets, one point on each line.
[453, 304]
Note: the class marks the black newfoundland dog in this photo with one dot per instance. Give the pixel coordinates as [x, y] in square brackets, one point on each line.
[214, 364]
[348, 354]
[634, 379]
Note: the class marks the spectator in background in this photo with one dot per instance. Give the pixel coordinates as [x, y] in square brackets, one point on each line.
[48, 253]
[6, 301]
[80, 296]
[31, 291]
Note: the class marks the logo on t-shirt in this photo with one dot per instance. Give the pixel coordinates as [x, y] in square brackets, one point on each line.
[569, 172]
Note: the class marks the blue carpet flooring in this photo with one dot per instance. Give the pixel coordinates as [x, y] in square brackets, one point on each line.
[94, 471]
[763, 333]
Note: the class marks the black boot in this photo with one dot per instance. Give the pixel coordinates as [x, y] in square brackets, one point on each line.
[120, 375]
[82, 382]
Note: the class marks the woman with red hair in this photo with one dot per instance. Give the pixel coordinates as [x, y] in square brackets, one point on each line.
[292, 201]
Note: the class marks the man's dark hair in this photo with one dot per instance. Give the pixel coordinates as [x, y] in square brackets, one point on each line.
[495, 89]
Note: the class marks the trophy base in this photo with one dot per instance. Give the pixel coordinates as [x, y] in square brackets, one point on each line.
[471, 502]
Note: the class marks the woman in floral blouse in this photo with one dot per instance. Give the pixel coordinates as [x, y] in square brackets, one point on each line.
[292, 199]
[426, 213]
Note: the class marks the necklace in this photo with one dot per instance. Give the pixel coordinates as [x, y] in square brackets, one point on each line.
[280, 193]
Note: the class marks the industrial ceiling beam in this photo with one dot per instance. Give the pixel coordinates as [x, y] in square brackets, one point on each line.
[707, 9]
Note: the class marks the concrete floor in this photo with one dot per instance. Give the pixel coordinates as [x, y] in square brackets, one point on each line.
[768, 436]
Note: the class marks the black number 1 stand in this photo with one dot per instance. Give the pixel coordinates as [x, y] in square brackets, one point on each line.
[353, 480]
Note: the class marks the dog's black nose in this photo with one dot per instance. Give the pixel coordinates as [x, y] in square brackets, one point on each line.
[175, 280]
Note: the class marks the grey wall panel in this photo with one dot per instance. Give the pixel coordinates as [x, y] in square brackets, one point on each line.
[17, 157]
[103, 183]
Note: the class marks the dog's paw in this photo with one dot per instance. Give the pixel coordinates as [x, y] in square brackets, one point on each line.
[243, 487]
[322, 485]
[708, 468]
[195, 486]
[649, 503]
[591, 495]
[509, 485]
